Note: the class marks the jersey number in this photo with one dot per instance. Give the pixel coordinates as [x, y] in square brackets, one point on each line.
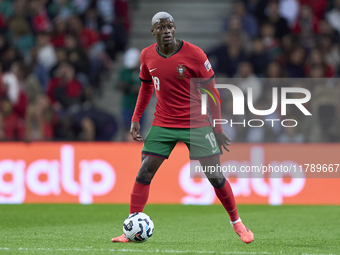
[212, 140]
[156, 82]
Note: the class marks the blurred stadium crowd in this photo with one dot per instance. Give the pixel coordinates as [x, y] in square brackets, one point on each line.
[287, 39]
[53, 53]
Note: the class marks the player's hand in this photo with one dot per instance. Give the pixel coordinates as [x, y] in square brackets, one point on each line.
[135, 132]
[223, 140]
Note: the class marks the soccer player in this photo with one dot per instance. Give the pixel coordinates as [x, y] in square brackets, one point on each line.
[167, 67]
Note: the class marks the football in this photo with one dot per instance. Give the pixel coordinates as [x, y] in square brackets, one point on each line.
[138, 227]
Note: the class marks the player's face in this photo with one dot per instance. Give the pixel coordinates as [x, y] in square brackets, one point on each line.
[164, 31]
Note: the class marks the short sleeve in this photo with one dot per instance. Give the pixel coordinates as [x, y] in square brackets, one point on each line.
[204, 69]
[144, 74]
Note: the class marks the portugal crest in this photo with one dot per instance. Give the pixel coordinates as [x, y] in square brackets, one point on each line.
[181, 70]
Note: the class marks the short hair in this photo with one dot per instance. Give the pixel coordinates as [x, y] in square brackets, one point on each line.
[161, 15]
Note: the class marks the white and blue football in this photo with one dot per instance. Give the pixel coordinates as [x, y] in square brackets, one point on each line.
[138, 227]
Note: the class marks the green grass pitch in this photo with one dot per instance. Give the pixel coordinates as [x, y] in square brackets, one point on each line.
[179, 229]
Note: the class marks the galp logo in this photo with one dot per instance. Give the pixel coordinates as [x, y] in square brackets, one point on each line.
[275, 187]
[55, 178]
[238, 104]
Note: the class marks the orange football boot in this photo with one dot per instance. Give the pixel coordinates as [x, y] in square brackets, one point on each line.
[243, 232]
[120, 239]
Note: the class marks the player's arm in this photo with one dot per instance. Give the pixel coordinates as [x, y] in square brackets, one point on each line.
[144, 97]
[208, 82]
[215, 111]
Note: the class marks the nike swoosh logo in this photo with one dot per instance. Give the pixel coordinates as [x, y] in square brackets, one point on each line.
[150, 70]
[213, 151]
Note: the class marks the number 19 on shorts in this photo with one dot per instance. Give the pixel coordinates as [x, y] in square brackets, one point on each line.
[212, 139]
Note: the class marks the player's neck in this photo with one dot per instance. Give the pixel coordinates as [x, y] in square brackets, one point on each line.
[170, 48]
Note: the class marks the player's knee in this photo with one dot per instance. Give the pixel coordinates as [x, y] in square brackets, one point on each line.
[149, 167]
[146, 174]
[217, 182]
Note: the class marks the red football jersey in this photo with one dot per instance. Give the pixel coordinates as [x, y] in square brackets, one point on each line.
[178, 99]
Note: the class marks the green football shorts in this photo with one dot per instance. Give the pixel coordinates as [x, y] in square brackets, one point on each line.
[201, 142]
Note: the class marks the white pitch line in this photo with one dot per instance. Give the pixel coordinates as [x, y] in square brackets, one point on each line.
[145, 251]
[130, 250]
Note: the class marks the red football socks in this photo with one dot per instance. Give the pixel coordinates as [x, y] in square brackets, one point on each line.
[139, 197]
[226, 196]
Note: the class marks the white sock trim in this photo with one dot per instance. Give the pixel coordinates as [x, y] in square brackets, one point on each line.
[234, 222]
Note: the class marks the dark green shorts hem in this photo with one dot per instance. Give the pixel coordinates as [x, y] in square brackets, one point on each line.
[154, 155]
[206, 157]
